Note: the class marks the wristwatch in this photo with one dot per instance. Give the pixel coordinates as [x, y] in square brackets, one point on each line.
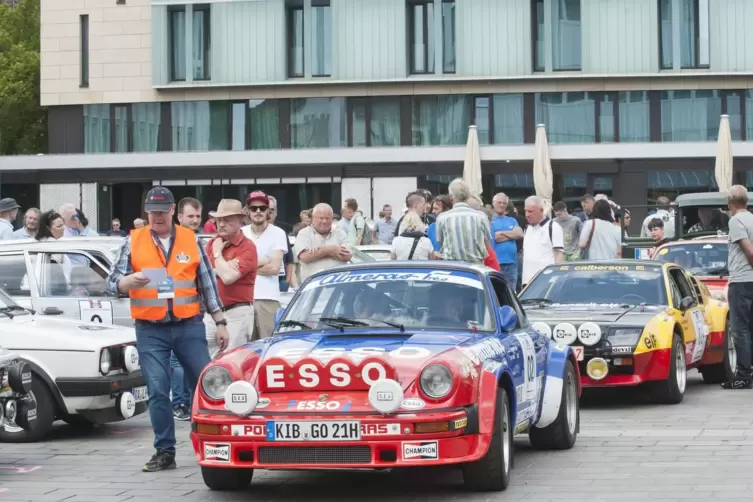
[222, 322]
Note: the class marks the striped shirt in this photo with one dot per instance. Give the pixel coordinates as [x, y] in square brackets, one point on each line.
[462, 233]
[205, 277]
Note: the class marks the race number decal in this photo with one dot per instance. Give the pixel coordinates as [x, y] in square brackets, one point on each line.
[95, 311]
[529, 367]
[700, 335]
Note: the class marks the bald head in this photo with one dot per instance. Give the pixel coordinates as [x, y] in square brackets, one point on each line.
[321, 218]
[663, 202]
[737, 197]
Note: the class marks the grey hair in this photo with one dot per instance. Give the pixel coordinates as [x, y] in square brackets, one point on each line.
[67, 208]
[501, 195]
[535, 199]
[322, 207]
[738, 195]
[459, 190]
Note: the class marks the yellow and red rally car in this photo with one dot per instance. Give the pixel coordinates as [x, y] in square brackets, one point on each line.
[633, 322]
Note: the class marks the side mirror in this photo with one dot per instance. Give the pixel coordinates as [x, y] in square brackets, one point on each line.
[508, 318]
[686, 303]
[278, 315]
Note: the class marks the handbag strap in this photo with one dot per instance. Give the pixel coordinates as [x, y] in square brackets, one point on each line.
[413, 248]
[591, 233]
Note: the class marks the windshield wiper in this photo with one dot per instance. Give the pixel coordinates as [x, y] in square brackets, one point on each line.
[7, 311]
[715, 271]
[288, 322]
[393, 324]
[536, 300]
[343, 320]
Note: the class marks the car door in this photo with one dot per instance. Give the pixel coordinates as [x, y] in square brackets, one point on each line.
[74, 285]
[15, 278]
[531, 351]
[693, 323]
[121, 304]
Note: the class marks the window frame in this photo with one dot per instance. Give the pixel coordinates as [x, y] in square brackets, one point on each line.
[411, 15]
[129, 127]
[246, 125]
[675, 4]
[318, 4]
[290, 28]
[489, 97]
[84, 50]
[536, 65]
[207, 46]
[171, 41]
[696, 38]
[445, 71]
[29, 275]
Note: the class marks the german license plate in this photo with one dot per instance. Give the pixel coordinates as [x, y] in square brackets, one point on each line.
[349, 430]
[578, 351]
[139, 393]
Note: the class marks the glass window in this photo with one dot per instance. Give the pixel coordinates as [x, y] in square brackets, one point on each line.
[321, 38]
[121, 128]
[238, 138]
[634, 117]
[177, 38]
[566, 52]
[200, 126]
[606, 118]
[264, 118]
[146, 120]
[421, 35]
[569, 116]
[97, 128]
[481, 119]
[574, 186]
[508, 119]
[603, 184]
[85, 50]
[674, 183]
[201, 43]
[441, 120]
[538, 23]
[13, 279]
[318, 123]
[448, 36]
[690, 115]
[384, 126]
[295, 42]
[517, 186]
[359, 125]
[734, 101]
[666, 51]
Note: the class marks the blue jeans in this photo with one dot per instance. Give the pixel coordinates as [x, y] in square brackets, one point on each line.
[182, 392]
[155, 343]
[510, 273]
[740, 296]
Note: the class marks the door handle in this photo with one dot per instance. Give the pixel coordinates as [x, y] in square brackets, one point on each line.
[52, 311]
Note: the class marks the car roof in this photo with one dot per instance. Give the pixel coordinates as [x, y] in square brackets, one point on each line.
[706, 199]
[698, 241]
[62, 243]
[374, 247]
[408, 264]
[608, 263]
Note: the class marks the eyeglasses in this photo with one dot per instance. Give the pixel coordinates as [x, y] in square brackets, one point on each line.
[257, 209]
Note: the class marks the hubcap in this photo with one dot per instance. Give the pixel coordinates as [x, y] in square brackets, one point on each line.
[571, 395]
[732, 356]
[506, 438]
[681, 373]
[11, 426]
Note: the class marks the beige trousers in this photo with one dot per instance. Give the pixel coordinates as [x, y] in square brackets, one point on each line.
[240, 322]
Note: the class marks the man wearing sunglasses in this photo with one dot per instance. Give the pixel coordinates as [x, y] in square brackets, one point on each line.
[271, 244]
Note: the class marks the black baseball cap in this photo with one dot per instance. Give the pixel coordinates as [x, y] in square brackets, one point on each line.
[159, 200]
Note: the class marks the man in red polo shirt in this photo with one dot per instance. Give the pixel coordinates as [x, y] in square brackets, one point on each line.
[234, 260]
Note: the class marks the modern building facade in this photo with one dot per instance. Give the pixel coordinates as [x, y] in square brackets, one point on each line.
[317, 100]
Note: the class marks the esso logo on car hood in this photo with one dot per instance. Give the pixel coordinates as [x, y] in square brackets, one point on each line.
[279, 375]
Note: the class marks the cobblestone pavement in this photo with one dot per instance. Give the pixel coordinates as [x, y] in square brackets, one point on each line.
[628, 449]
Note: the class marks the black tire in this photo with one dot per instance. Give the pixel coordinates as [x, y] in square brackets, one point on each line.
[492, 471]
[45, 416]
[226, 478]
[562, 433]
[725, 370]
[669, 391]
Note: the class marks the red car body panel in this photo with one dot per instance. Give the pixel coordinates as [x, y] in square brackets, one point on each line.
[647, 367]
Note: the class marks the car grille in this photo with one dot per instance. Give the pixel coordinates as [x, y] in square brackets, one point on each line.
[315, 455]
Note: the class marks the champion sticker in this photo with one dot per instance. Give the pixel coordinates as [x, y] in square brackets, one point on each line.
[422, 450]
[214, 452]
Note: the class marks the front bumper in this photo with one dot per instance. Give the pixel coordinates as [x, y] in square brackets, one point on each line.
[400, 446]
[645, 367]
[106, 392]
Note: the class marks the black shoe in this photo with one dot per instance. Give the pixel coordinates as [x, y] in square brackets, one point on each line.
[160, 461]
[181, 413]
[738, 383]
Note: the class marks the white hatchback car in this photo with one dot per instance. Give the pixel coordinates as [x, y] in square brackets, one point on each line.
[83, 373]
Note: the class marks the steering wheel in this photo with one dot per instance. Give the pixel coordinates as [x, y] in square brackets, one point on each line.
[632, 295]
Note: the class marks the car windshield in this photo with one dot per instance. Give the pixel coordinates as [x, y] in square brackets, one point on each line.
[6, 302]
[404, 299]
[705, 220]
[602, 284]
[698, 257]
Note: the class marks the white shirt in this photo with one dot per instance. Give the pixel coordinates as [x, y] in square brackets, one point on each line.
[538, 250]
[6, 230]
[401, 247]
[669, 223]
[309, 238]
[267, 287]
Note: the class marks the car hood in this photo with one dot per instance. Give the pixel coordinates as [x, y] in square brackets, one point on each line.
[406, 353]
[57, 333]
[597, 313]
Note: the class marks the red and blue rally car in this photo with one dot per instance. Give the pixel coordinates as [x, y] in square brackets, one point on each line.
[388, 364]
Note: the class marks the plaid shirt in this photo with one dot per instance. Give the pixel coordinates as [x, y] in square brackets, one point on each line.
[206, 280]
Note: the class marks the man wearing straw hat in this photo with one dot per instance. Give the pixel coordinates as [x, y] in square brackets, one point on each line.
[234, 259]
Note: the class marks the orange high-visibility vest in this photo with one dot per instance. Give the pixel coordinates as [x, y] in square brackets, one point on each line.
[182, 266]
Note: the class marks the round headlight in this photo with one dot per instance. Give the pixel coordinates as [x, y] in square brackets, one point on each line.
[131, 358]
[215, 382]
[105, 361]
[436, 380]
